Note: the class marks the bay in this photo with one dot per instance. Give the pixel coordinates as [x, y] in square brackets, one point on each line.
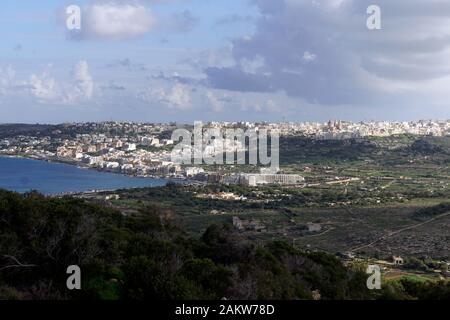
[23, 175]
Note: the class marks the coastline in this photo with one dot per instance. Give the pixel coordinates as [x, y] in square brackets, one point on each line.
[102, 184]
[81, 165]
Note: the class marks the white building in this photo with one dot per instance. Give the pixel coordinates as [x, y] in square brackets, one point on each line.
[261, 179]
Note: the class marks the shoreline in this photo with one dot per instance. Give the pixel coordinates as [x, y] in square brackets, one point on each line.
[81, 165]
[91, 191]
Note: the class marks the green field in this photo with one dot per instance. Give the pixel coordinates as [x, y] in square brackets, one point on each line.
[397, 177]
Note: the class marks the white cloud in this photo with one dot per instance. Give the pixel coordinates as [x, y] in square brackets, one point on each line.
[116, 20]
[78, 89]
[6, 79]
[126, 19]
[44, 87]
[215, 103]
[177, 96]
[83, 88]
[308, 56]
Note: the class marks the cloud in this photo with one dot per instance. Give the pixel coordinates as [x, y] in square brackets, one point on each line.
[126, 63]
[7, 76]
[235, 79]
[322, 52]
[113, 86]
[83, 88]
[176, 78]
[216, 104]
[177, 96]
[115, 20]
[308, 56]
[127, 19]
[44, 87]
[219, 58]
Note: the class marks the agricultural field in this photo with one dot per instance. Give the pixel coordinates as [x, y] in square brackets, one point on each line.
[373, 197]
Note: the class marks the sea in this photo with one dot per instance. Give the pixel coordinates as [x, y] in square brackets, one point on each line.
[49, 178]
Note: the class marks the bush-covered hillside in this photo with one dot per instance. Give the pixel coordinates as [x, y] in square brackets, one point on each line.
[145, 256]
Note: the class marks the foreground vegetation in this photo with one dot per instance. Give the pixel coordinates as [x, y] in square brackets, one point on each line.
[145, 255]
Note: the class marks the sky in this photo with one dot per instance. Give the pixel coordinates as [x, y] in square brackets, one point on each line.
[222, 60]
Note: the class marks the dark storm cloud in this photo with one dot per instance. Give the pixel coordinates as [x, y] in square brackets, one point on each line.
[322, 51]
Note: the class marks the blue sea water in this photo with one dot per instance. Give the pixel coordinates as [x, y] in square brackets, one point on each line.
[22, 175]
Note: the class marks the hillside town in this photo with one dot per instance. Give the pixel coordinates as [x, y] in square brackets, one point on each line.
[145, 149]
[347, 130]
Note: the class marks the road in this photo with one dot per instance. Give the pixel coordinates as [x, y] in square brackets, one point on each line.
[399, 231]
